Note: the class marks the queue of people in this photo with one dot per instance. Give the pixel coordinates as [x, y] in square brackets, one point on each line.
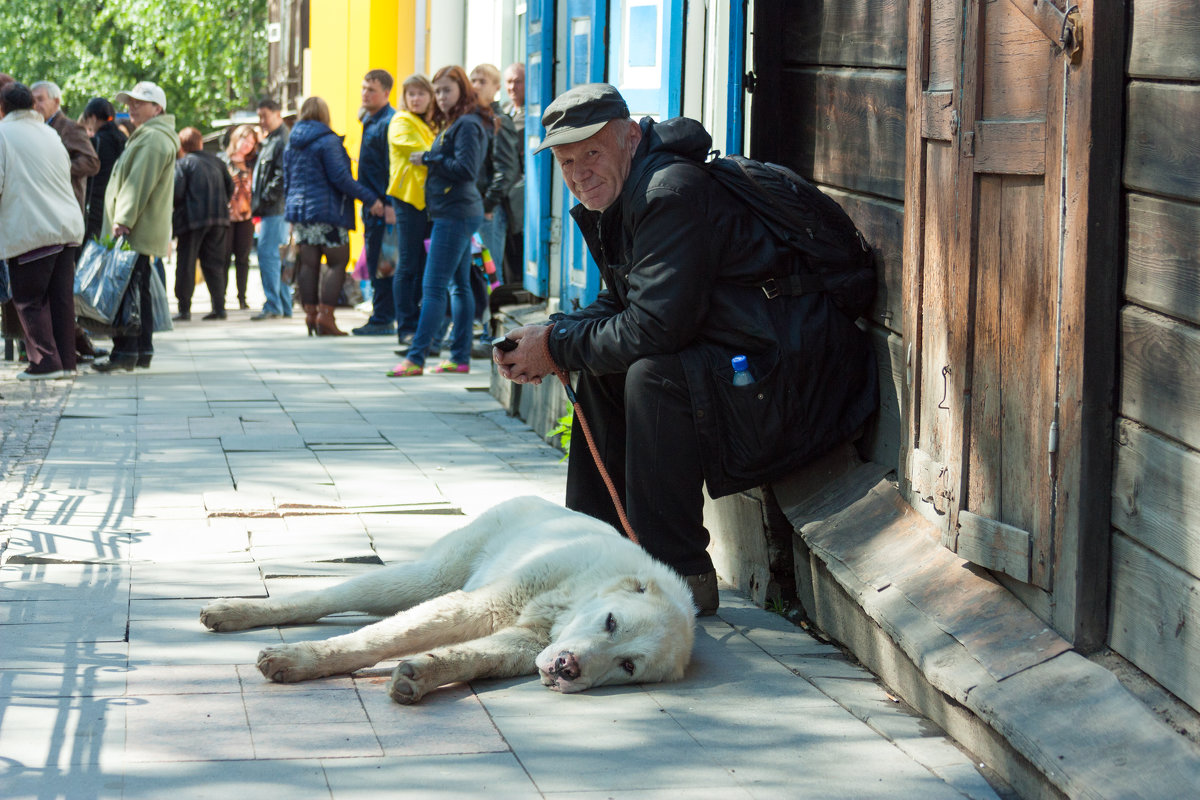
[441, 173]
[130, 191]
[434, 175]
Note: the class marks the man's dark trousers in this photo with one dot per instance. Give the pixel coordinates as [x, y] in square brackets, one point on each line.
[44, 297]
[642, 423]
[208, 245]
[142, 342]
[383, 304]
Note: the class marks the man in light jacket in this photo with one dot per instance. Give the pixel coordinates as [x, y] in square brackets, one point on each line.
[138, 204]
[40, 229]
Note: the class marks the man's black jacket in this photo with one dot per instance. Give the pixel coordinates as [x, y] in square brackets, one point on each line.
[682, 261]
[502, 165]
[202, 191]
[266, 193]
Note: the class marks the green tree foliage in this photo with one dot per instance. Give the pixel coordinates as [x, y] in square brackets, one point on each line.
[209, 56]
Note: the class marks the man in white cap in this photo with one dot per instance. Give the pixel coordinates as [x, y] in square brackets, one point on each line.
[138, 204]
[684, 265]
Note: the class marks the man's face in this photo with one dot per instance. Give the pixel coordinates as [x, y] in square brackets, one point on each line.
[485, 87]
[44, 104]
[374, 97]
[269, 120]
[596, 168]
[141, 110]
[514, 86]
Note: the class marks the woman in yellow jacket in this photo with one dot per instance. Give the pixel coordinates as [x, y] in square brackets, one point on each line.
[411, 130]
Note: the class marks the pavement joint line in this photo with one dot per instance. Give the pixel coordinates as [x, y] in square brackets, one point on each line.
[167, 643]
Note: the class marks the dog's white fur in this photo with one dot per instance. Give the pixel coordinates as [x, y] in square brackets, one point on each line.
[527, 586]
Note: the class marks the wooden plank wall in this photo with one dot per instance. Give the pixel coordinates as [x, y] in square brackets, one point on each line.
[1154, 613]
[830, 103]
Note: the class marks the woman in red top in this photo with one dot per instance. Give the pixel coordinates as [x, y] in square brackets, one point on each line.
[238, 158]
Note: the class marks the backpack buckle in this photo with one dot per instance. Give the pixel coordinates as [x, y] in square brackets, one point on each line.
[770, 288]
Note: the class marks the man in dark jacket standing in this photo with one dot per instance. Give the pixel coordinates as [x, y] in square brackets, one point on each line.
[266, 202]
[501, 167]
[201, 223]
[374, 173]
[684, 264]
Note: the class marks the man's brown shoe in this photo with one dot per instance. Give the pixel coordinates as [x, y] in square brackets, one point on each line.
[704, 592]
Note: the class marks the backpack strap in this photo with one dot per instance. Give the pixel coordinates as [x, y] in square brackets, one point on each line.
[793, 285]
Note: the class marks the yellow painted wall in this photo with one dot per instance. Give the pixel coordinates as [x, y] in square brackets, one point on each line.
[347, 38]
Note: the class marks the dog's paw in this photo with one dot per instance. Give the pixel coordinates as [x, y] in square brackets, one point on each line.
[406, 686]
[289, 663]
[230, 614]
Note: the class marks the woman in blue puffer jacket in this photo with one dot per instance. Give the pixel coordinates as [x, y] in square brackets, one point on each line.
[320, 193]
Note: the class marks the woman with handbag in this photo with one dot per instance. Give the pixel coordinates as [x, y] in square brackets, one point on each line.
[319, 202]
[43, 226]
[454, 203]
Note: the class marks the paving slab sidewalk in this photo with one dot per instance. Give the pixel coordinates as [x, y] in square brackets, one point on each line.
[252, 460]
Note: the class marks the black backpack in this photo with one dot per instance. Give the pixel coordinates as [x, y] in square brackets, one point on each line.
[833, 256]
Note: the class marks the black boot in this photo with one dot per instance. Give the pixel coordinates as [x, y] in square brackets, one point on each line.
[113, 363]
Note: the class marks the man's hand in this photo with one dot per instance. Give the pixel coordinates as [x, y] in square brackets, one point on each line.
[417, 158]
[389, 214]
[120, 230]
[376, 209]
[530, 361]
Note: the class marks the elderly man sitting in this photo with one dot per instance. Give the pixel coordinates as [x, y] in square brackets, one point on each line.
[683, 262]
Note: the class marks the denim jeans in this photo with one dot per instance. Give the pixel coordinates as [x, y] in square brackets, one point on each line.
[272, 232]
[383, 307]
[493, 232]
[412, 225]
[449, 264]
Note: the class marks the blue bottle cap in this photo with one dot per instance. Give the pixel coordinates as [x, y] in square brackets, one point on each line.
[739, 364]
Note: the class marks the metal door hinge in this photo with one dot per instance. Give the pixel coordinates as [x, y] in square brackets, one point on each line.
[968, 144]
[1071, 37]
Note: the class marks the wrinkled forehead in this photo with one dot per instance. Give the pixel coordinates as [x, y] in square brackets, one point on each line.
[604, 139]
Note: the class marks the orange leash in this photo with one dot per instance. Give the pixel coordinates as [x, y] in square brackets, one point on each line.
[587, 434]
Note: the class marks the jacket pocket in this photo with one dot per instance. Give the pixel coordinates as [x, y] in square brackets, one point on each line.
[752, 419]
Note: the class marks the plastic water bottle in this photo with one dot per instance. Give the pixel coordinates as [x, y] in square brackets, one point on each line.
[741, 372]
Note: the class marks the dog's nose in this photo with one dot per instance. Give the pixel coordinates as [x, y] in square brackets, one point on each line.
[566, 665]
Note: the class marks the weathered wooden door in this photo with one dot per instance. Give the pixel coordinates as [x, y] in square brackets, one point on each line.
[992, 256]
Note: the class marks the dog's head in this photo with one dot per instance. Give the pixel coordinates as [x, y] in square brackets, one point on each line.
[635, 630]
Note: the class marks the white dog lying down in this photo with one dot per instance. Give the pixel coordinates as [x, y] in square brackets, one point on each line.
[527, 586]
